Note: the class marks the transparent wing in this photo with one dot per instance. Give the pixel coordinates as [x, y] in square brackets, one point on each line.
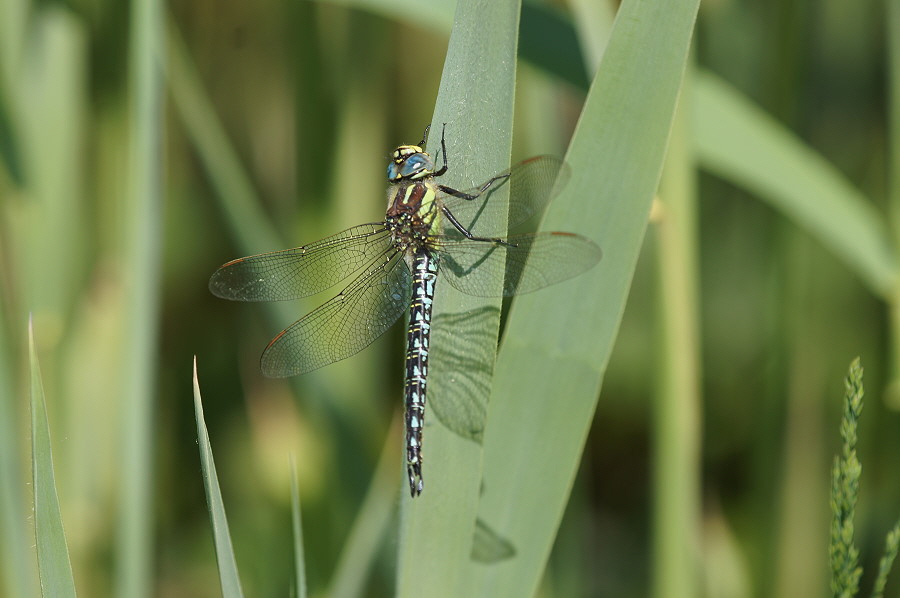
[346, 324]
[532, 184]
[529, 263]
[302, 271]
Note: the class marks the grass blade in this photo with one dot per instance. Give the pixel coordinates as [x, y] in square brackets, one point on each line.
[50, 539]
[678, 408]
[228, 573]
[141, 272]
[15, 548]
[297, 528]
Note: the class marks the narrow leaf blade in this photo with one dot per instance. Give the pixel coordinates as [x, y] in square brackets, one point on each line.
[228, 572]
[50, 539]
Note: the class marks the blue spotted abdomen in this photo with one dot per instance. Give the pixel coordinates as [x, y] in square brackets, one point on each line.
[425, 267]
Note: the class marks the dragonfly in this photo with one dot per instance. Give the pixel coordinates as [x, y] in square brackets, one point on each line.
[429, 230]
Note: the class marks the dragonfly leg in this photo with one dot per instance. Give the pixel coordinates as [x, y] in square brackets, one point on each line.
[443, 169]
[465, 232]
[482, 189]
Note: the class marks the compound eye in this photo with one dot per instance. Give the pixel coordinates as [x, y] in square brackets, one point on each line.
[415, 164]
[392, 171]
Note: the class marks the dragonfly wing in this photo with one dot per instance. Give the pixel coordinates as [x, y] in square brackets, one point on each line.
[529, 263]
[532, 184]
[346, 324]
[302, 271]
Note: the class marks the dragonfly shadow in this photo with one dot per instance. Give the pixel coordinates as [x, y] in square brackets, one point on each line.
[461, 344]
[463, 265]
[488, 546]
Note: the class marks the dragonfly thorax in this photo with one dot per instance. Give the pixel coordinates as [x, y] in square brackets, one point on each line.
[409, 230]
[409, 162]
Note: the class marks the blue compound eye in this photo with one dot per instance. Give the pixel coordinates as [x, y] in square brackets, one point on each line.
[414, 164]
[392, 171]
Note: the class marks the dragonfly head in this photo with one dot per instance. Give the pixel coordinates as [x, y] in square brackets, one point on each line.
[409, 162]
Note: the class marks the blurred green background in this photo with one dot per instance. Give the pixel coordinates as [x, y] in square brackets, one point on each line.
[279, 116]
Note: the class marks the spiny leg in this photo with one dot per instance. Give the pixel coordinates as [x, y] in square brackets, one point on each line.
[470, 196]
[465, 232]
[443, 169]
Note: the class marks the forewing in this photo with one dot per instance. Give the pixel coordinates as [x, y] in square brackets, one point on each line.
[530, 262]
[302, 271]
[532, 184]
[346, 324]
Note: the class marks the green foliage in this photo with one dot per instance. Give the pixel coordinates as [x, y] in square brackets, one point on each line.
[54, 567]
[228, 572]
[736, 140]
[297, 529]
[136, 156]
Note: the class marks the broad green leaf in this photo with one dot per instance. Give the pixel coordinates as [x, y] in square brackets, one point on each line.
[488, 547]
[558, 341]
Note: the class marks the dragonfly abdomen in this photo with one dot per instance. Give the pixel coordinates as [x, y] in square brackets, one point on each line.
[425, 267]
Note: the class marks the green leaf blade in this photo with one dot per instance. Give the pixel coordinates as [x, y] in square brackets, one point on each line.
[228, 572]
[54, 566]
[558, 341]
[475, 101]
